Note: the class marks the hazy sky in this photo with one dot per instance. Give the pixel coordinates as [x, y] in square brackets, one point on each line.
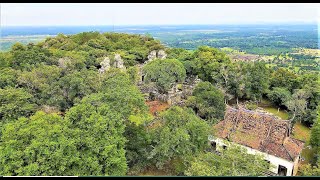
[41, 14]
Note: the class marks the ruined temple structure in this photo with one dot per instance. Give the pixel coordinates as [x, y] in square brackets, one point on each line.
[175, 96]
[105, 65]
[118, 62]
[260, 133]
[161, 54]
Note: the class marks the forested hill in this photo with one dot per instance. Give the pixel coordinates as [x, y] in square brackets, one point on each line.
[61, 114]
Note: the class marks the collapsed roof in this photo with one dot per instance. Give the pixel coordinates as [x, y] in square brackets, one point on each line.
[260, 131]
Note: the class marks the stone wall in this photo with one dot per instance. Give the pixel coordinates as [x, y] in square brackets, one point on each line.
[175, 96]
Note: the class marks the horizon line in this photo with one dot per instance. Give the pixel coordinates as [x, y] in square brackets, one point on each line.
[256, 23]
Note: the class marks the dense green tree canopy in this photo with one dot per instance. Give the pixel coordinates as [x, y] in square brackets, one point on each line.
[164, 73]
[15, 103]
[208, 61]
[284, 78]
[100, 139]
[181, 134]
[233, 161]
[208, 102]
[42, 145]
[279, 96]
[89, 122]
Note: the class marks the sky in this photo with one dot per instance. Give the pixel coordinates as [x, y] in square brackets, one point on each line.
[56, 14]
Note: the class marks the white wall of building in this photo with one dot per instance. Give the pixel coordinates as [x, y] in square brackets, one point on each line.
[275, 161]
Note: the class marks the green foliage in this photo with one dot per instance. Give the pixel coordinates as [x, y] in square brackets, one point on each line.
[297, 104]
[279, 96]
[133, 74]
[309, 170]
[251, 106]
[181, 135]
[164, 73]
[125, 99]
[8, 77]
[24, 57]
[122, 95]
[69, 89]
[100, 141]
[208, 61]
[284, 78]
[315, 132]
[5, 59]
[208, 102]
[233, 161]
[258, 77]
[42, 145]
[15, 103]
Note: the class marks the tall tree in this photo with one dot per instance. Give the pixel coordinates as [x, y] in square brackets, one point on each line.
[42, 145]
[100, 140]
[181, 135]
[208, 102]
[15, 103]
[164, 73]
[233, 161]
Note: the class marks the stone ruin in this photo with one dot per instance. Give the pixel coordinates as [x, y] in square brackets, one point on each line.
[105, 64]
[161, 54]
[175, 96]
[152, 55]
[118, 62]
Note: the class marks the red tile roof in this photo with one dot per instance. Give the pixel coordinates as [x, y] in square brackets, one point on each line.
[260, 131]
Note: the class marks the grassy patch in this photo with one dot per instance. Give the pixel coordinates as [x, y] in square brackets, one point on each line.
[153, 171]
[282, 114]
[269, 107]
[301, 132]
[308, 155]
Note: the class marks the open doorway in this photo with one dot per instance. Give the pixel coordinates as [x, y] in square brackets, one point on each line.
[224, 147]
[214, 145]
[282, 171]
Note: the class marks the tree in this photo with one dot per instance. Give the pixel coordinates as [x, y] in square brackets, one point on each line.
[298, 104]
[133, 74]
[309, 170]
[181, 135]
[100, 141]
[24, 57]
[208, 102]
[284, 78]
[234, 161]
[311, 84]
[208, 61]
[42, 145]
[125, 99]
[315, 132]
[72, 87]
[236, 83]
[8, 77]
[123, 96]
[15, 103]
[164, 73]
[279, 96]
[38, 81]
[258, 76]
